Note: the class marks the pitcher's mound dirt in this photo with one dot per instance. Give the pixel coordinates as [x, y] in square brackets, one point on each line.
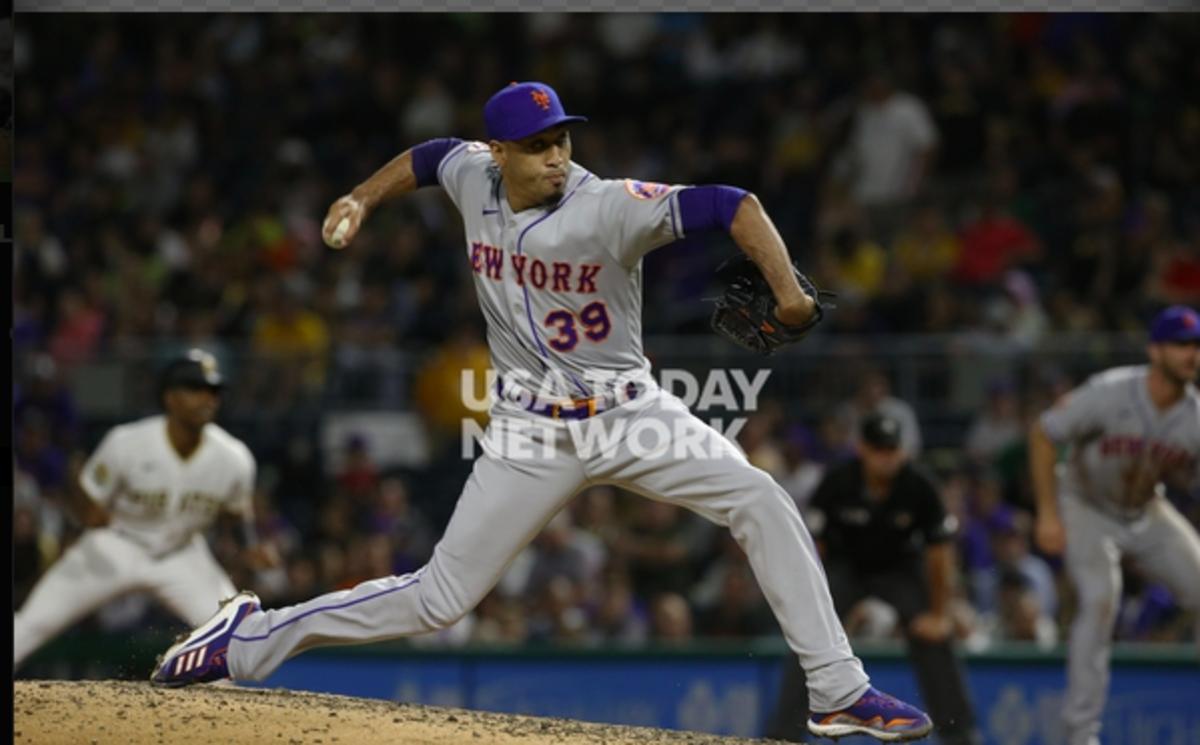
[125, 713]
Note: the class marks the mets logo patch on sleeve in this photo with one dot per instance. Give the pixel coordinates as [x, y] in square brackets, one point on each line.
[645, 189]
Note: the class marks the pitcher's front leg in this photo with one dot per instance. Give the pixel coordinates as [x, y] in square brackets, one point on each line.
[503, 506]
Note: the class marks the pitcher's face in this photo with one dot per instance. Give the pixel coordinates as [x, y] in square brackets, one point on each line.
[535, 168]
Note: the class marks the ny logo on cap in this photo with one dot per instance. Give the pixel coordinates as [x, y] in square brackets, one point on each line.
[541, 98]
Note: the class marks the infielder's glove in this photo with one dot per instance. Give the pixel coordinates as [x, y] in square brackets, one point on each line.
[745, 313]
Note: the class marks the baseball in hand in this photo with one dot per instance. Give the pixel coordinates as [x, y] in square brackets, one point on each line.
[339, 233]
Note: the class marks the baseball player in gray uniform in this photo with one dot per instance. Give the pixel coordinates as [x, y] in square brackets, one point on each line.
[557, 256]
[146, 495]
[1130, 430]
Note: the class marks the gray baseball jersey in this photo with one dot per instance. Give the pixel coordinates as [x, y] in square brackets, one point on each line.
[565, 318]
[1122, 446]
[1111, 495]
[561, 290]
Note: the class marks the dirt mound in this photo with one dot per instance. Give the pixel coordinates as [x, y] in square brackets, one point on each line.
[124, 713]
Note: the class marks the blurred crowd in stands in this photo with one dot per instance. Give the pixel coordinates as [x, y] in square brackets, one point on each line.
[1016, 176]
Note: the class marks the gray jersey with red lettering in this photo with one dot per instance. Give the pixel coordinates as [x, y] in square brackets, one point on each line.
[561, 286]
[1122, 446]
[561, 289]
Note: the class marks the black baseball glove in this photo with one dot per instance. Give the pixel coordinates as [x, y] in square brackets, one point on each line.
[745, 313]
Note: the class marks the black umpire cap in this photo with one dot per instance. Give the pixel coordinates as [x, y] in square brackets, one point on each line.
[195, 369]
[880, 431]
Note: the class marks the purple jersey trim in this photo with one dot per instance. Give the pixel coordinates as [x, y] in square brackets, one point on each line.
[413, 579]
[427, 156]
[708, 208]
[457, 151]
[525, 289]
[674, 222]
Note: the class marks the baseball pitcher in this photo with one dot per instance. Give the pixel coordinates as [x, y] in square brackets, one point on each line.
[556, 254]
[1130, 430]
[145, 495]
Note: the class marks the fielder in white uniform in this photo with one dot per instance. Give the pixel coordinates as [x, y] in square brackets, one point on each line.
[557, 257]
[146, 494]
[1130, 431]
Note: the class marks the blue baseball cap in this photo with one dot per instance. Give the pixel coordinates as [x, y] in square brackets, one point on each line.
[1177, 323]
[523, 109]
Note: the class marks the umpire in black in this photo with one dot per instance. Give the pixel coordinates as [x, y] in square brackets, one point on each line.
[883, 532]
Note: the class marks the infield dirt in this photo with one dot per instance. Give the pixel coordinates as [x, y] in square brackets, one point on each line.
[127, 713]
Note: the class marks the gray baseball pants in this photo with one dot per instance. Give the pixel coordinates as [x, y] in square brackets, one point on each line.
[508, 499]
[1165, 547]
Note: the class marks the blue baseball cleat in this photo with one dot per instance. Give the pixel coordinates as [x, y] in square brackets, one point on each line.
[199, 657]
[875, 714]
